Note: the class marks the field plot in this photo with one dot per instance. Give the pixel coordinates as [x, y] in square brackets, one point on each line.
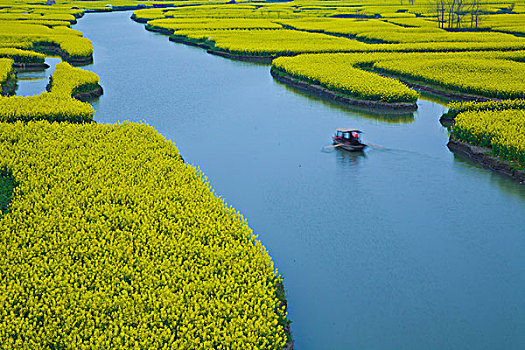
[59, 103]
[501, 130]
[328, 69]
[112, 234]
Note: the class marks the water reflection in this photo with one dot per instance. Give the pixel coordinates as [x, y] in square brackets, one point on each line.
[436, 98]
[347, 159]
[34, 82]
[378, 114]
[503, 182]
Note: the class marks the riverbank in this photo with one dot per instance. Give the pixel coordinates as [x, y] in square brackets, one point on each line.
[208, 46]
[447, 119]
[89, 95]
[54, 49]
[29, 67]
[483, 156]
[84, 96]
[131, 8]
[337, 96]
[435, 90]
[255, 59]
[286, 326]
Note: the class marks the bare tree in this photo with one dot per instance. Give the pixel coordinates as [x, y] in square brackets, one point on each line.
[451, 5]
[475, 11]
[440, 12]
[459, 12]
[450, 13]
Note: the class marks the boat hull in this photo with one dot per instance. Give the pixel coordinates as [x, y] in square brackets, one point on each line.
[351, 147]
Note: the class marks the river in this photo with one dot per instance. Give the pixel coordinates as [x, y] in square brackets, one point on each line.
[406, 247]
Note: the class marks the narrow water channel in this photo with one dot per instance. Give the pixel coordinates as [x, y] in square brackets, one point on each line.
[32, 83]
[407, 247]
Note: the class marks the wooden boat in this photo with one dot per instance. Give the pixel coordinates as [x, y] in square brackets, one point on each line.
[348, 139]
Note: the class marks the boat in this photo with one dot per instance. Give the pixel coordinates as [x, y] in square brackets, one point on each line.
[348, 139]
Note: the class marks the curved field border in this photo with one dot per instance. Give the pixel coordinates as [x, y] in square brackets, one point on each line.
[85, 95]
[430, 89]
[54, 49]
[426, 88]
[484, 157]
[89, 95]
[255, 59]
[433, 89]
[295, 82]
[208, 47]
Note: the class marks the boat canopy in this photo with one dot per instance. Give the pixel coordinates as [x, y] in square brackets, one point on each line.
[348, 130]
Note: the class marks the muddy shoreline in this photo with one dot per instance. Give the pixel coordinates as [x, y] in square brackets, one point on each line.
[256, 59]
[89, 95]
[84, 96]
[447, 120]
[336, 96]
[283, 302]
[484, 157]
[27, 67]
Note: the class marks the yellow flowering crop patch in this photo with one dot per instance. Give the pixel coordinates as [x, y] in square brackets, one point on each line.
[455, 108]
[110, 241]
[496, 78]
[68, 81]
[338, 72]
[70, 41]
[213, 24]
[58, 104]
[501, 130]
[6, 69]
[22, 56]
[491, 74]
[46, 106]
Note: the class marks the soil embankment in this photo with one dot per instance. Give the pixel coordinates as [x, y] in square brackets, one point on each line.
[336, 96]
[256, 59]
[447, 119]
[484, 157]
[89, 95]
[434, 90]
[51, 49]
[85, 95]
[283, 302]
[208, 46]
[26, 67]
